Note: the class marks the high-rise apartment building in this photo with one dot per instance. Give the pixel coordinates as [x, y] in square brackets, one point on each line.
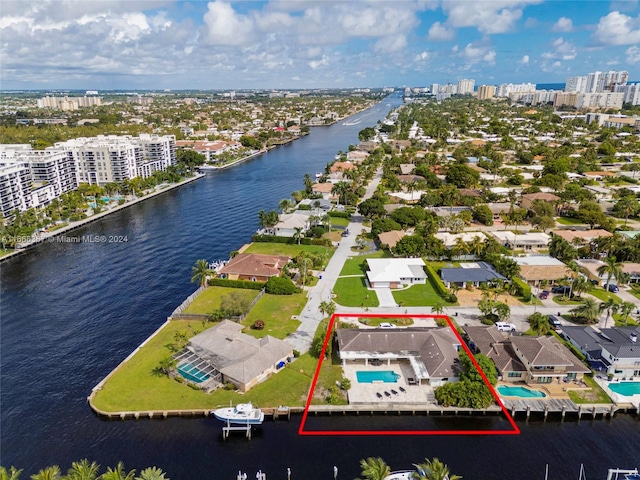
[465, 86]
[505, 89]
[595, 82]
[486, 92]
[631, 93]
[68, 103]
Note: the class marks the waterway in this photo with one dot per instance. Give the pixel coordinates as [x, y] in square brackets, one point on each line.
[71, 312]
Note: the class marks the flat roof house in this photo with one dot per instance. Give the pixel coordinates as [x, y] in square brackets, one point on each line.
[225, 354]
[432, 353]
[523, 241]
[471, 274]
[395, 272]
[253, 267]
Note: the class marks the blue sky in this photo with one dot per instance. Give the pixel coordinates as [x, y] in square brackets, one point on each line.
[137, 44]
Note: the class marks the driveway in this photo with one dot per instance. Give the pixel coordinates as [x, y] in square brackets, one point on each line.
[385, 297]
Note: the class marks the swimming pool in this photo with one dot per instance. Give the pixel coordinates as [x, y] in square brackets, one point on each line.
[520, 392]
[386, 376]
[625, 388]
[190, 372]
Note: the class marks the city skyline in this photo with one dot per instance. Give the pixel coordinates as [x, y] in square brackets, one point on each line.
[161, 44]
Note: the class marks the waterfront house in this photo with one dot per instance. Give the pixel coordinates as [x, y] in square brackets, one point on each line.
[225, 354]
[395, 272]
[288, 223]
[533, 360]
[614, 350]
[323, 189]
[253, 267]
[472, 274]
[431, 354]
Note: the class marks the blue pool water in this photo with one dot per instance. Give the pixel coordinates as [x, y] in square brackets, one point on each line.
[192, 373]
[386, 376]
[626, 388]
[520, 392]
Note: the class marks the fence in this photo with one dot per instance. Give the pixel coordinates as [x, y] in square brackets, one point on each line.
[178, 315]
[187, 302]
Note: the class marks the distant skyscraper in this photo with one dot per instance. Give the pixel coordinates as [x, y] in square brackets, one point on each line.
[486, 92]
[465, 86]
[576, 84]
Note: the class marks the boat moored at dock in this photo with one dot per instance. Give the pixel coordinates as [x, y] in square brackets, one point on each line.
[243, 414]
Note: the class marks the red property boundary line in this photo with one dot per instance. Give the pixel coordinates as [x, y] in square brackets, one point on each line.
[302, 431]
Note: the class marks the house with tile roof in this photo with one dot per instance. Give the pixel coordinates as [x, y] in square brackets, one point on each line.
[431, 353]
[537, 268]
[228, 355]
[253, 267]
[581, 237]
[528, 199]
[533, 360]
[289, 222]
[391, 238]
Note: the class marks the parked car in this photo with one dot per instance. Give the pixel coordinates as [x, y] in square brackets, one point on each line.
[554, 322]
[561, 290]
[345, 233]
[387, 325]
[506, 327]
[611, 287]
[544, 294]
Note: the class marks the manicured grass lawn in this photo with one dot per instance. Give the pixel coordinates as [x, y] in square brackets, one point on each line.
[352, 292]
[357, 265]
[339, 222]
[558, 299]
[604, 295]
[620, 321]
[439, 265]
[569, 221]
[375, 321]
[137, 386]
[209, 300]
[419, 295]
[276, 312]
[635, 292]
[286, 249]
[4, 252]
[595, 395]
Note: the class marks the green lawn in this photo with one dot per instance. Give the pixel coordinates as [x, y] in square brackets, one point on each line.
[375, 321]
[595, 395]
[276, 312]
[621, 322]
[209, 300]
[604, 295]
[288, 250]
[352, 292]
[137, 386]
[558, 299]
[419, 295]
[439, 265]
[357, 265]
[4, 252]
[339, 222]
[569, 221]
[635, 291]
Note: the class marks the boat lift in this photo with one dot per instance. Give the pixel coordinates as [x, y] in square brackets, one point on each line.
[236, 428]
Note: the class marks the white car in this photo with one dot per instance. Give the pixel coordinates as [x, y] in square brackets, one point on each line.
[386, 325]
[506, 327]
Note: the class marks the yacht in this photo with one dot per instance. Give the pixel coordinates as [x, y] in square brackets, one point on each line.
[243, 413]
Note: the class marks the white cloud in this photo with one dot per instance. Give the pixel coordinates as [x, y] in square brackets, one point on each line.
[524, 60]
[563, 24]
[477, 53]
[633, 54]
[226, 27]
[319, 63]
[440, 33]
[421, 57]
[497, 16]
[563, 50]
[618, 29]
[390, 44]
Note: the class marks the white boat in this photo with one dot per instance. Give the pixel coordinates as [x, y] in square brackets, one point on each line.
[318, 176]
[243, 413]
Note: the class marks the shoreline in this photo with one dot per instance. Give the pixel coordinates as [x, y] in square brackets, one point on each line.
[41, 238]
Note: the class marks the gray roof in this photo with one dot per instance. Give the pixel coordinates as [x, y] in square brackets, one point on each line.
[615, 340]
[435, 347]
[238, 355]
[484, 336]
[484, 273]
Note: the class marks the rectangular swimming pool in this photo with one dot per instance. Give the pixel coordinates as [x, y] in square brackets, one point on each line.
[519, 392]
[625, 388]
[386, 376]
[190, 372]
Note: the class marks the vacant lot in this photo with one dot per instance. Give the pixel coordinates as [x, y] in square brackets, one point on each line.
[209, 300]
[276, 312]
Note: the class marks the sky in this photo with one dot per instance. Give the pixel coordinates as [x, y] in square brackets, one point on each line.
[293, 44]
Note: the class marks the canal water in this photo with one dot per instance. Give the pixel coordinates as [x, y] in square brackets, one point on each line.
[71, 312]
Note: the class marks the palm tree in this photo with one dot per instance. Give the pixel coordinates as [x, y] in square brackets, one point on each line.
[539, 323]
[298, 234]
[12, 474]
[200, 272]
[284, 205]
[625, 310]
[152, 473]
[340, 189]
[327, 308]
[612, 269]
[611, 306]
[433, 470]
[588, 309]
[572, 270]
[118, 473]
[460, 248]
[83, 470]
[374, 468]
[438, 308]
[581, 285]
[476, 246]
[49, 473]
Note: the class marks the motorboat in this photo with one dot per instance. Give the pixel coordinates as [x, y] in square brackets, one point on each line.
[243, 413]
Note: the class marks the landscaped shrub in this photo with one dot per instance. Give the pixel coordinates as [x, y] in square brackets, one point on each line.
[522, 288]
[439, 287]
[317, 231]
[178, 379]
[280, 286]
[340, 214]
[258, 325]
[193, 386]
[246, 284]
[296, 354]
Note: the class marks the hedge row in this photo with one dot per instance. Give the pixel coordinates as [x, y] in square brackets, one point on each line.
[246, 284]
[323, 242]
[522, 288]
[439, 286]
[339, 214]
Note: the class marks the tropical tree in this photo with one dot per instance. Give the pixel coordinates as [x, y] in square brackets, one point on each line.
[12, 474]
[374, 468]
[433, 470]
[308, 184]
[340, 189]
[297, 236]
[625, 310]
[476, 246]
[539, 323]
[83, 470]
[152, 473]
[285, 205]
[581, 285]
[49, 473]
[327, 308]
[572, 270]
[612, 269]
[118, 473]
[611, 307]
[438, 308]
[588, 309]
[200, 272]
